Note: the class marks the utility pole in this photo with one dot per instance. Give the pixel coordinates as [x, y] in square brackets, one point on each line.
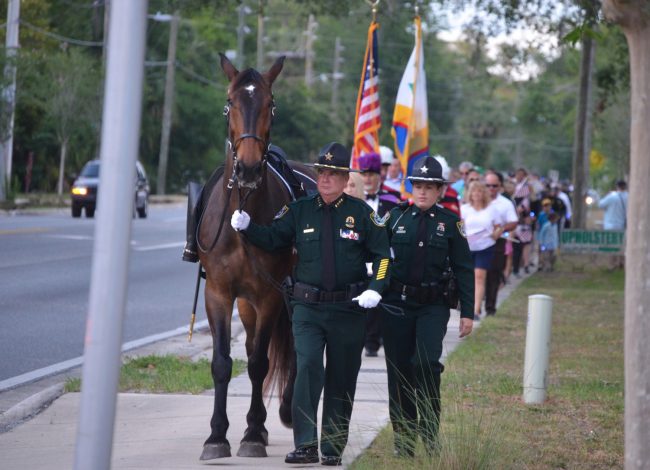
[260, 37]
[241, 32]
[167, 106]
[582, 139]
[336, 76]
[309, 51]
[9, 97]
[107, 16]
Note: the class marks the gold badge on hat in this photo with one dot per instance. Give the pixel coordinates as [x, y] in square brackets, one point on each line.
[328, 156]
[349, 221]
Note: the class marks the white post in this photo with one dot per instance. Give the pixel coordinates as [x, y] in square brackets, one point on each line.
[538, 342]
[108, 284]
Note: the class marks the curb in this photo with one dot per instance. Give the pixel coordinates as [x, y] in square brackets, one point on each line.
[34, 404]
[30, 406]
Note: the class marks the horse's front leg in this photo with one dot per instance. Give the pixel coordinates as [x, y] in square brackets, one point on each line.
[258, 324]
[219, 310]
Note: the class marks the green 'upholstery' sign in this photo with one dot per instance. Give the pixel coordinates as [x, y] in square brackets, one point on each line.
[592, 241]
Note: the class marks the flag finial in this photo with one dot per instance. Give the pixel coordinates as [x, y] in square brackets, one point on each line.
[373, 5]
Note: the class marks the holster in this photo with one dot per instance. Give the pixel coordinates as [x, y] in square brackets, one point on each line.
[194, 209]
[450, 291]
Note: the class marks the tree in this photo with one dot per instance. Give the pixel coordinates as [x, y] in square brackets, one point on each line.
[634, 18]
[65, 87]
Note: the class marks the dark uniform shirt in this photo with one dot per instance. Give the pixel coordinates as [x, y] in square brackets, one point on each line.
[359, 237]
[444, 238]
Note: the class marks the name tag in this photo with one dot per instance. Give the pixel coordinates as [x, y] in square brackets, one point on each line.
[349, 234]
[308, 230]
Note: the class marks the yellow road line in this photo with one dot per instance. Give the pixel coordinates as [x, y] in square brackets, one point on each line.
[19, 231]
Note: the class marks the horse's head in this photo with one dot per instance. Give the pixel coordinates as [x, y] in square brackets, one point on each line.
[249, 112]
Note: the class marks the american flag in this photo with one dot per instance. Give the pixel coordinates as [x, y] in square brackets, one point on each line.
[368, 116]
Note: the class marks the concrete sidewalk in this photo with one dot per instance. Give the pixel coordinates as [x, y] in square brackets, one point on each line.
[159, 432]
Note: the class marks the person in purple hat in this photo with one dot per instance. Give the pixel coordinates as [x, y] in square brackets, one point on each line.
[381, 202]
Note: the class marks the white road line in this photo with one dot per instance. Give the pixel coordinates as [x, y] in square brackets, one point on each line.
[71, 237]
[163, 246]
[77, 361]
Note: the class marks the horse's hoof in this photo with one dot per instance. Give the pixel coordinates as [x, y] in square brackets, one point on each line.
[215, 451]
[251, 449]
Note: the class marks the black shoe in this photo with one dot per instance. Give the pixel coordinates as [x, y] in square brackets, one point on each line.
[371, 353]
[303, 455]
[490, 312]
[330, 460]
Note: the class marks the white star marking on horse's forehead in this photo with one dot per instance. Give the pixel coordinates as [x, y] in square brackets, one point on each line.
[250, 89]
[424, 169]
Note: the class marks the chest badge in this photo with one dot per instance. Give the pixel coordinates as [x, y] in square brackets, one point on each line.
[440, 229]
[400, 229]
[349, 221]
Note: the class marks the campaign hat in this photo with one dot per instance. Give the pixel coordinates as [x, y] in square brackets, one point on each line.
[427, 169]
[334, 156]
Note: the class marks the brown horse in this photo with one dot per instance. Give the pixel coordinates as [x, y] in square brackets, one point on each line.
[237, 270]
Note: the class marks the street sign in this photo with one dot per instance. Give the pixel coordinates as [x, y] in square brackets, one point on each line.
[592, 241]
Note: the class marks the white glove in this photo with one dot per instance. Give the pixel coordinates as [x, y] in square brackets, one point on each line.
[368, 298]
[240, 220]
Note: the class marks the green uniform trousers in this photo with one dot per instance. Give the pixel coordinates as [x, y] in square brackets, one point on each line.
[339, 331]
[413, 346]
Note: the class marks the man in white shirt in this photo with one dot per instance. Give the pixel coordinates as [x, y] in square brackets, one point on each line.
[508, 220]
[615, 205]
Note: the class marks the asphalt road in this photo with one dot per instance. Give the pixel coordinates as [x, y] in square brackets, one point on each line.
[45, 265]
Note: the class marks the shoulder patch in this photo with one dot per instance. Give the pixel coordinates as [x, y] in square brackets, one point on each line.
[461, 228]
[281, 212]
[379, 221]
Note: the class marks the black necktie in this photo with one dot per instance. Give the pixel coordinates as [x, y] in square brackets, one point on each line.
[371, 197]
[418, 262]
[327, 250]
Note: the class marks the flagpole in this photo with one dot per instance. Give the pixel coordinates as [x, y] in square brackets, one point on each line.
[368, 68]
[407, 145]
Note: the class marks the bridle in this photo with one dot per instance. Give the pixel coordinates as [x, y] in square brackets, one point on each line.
[233, 177]
[234, 144]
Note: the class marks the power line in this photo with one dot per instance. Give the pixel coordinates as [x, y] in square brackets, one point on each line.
[196, 76]
[58, 37]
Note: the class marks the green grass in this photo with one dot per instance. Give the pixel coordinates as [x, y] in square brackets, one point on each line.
[164, 374]
[486, 425]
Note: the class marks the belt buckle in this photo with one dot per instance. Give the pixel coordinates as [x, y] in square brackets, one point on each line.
[403, 296]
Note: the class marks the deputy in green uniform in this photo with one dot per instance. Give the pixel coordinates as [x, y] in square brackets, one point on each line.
[334, 235]
[425, 240]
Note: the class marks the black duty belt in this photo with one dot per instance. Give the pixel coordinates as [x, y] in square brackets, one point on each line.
[425, 294]
[313, 295]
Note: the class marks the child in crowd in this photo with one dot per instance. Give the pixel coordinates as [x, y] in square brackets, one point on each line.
[548, 243]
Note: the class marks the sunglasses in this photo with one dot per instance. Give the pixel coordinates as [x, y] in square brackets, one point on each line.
[492, 185]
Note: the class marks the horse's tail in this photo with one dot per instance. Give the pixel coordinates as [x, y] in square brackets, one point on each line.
[281, 354]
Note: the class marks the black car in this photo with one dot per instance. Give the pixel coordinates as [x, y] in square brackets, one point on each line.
[84, 190]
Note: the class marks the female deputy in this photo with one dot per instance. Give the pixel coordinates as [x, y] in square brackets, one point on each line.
[425, 238]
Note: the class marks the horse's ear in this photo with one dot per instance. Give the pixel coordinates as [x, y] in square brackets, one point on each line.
[227, 67]
[275, 70]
